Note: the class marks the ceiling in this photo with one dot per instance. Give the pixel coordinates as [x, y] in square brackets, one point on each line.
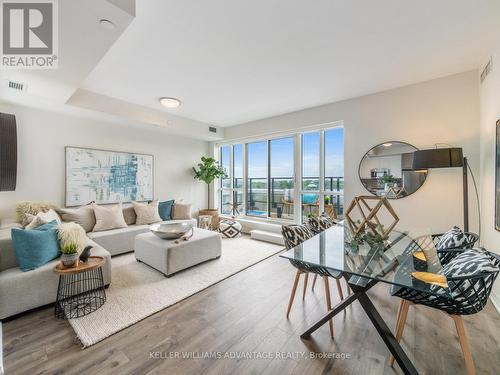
[234, 61]
[231, 62]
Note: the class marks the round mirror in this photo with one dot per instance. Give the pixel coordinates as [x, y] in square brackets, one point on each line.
[385, 170]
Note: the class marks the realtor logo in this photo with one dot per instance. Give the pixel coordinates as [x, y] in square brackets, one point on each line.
[29, 34]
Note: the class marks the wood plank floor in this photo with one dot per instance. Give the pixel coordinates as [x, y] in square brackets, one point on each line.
[246, 313]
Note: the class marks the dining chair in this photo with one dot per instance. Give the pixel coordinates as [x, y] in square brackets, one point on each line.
[293, 236]
[469, 294]
[318, 224]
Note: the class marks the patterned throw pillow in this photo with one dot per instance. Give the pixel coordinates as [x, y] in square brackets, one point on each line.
[452, 239]
[294, 235]
[469, 263]
[319, 223]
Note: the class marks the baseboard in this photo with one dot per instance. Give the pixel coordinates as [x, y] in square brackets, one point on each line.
[495, 300]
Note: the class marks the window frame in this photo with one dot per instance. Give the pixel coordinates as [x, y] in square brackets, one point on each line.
[297, 175]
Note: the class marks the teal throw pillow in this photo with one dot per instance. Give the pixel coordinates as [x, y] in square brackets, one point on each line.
[165, 209]
[35, 247]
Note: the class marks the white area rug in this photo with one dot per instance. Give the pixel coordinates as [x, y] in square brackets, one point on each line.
[138, 291]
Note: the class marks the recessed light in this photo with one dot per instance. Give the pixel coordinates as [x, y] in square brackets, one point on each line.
[170, 102]
[107, 24]
[388, 144]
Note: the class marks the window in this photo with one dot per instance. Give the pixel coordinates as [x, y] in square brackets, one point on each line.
[334, 172]
[272, 178]
[257, 179]
[281, 178]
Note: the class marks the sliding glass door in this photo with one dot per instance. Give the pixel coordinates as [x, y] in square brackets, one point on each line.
[257, 179]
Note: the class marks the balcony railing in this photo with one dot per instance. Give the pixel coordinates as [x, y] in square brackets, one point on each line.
[281, 193]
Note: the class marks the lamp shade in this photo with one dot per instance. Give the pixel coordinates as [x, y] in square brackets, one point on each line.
[438, 158]
[8, 152]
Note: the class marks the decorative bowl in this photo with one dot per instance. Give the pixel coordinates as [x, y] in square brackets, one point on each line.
[170, 231]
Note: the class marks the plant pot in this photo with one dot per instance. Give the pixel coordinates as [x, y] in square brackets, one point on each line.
[215, 217]
[69, 260]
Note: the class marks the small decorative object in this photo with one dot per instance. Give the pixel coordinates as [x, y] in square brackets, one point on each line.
[205, 222]
[69, 257]
[419, 262]
[370, 221]
[84, 256]
[230, 228]
[169, 231]
[107, 176]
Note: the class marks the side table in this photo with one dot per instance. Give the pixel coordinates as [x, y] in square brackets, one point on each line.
[81, 289]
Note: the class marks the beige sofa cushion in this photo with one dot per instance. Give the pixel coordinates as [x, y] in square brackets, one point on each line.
[181, 211]
[108, 217]
[147, 213]
[83, 215]
[129, 215]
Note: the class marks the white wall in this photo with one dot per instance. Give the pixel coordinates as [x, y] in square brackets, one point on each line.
[444, 110]
[41, 139]
[489, 114]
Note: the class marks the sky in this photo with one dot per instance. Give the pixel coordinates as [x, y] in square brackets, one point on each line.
[282, 156]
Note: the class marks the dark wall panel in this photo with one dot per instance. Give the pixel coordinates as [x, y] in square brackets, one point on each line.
[8, 152]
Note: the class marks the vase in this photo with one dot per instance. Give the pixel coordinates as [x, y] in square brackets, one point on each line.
[215, 217]
[69, 260]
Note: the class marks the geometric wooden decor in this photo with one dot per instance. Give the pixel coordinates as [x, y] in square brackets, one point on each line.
[8, 152]
[368, 206]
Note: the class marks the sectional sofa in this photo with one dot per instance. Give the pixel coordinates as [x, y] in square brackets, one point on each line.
[23, 291]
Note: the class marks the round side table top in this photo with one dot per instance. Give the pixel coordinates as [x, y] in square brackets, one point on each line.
[92, 262]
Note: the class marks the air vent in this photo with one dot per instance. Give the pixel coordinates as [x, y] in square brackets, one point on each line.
[212, 129]
[486, 70]
[16, 85]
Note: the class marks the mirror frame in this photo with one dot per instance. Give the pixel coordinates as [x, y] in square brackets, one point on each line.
[380, 144]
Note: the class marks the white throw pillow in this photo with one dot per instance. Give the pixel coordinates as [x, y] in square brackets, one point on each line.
[147, 213]
[41, 218]
[34, 221]
[108, 217]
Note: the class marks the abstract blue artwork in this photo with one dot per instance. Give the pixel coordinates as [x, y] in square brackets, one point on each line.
[107, 176]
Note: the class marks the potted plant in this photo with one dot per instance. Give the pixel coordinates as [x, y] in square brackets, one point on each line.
[387, 180]
[208, 170]
[69, 255]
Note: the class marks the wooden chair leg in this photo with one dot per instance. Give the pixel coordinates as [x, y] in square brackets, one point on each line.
[294, 289]
[314, 280]
[328, 302]
[464, 343]
[305, 285]
[400, 323]
[339, 289]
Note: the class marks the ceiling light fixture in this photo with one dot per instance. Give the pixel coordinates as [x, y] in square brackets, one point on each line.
[170, 102]
[107, 24]
[388, 144]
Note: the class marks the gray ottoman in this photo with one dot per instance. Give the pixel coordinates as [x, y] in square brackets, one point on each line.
[169, 257]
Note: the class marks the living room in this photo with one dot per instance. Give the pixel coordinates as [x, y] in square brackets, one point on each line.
[173, 183]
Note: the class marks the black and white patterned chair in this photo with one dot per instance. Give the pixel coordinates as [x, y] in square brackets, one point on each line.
[318, 224]
[293, 236]
[470, 275]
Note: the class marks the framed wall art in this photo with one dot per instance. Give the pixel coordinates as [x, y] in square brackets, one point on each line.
[107, 176]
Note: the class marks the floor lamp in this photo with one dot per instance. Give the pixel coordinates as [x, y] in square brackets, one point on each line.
[445, 158]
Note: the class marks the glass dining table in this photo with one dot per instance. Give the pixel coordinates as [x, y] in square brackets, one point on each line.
[364, 262]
